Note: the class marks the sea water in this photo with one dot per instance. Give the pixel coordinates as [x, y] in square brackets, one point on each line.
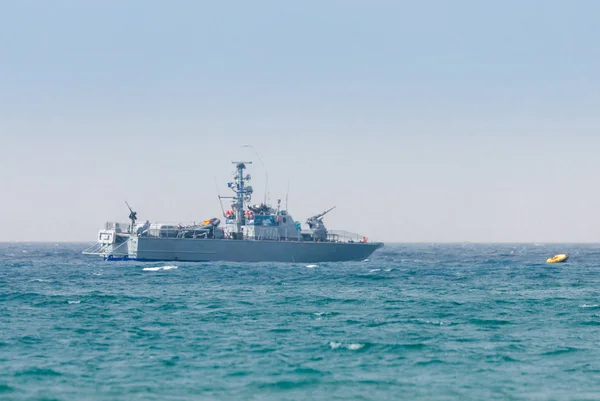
[427, 322]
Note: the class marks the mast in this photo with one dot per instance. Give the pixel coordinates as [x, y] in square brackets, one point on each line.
[265, 170]
[243, 194]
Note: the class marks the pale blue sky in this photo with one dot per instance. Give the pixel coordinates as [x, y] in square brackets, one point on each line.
[422, 121]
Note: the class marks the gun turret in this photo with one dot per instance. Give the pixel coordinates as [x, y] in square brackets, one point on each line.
[320, 215]
[315, 223]
[132, 217]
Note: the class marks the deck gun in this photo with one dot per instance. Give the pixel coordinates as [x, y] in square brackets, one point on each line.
[132, 217]
[315, 221]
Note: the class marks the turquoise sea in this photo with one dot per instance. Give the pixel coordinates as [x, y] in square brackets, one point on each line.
[415, 322]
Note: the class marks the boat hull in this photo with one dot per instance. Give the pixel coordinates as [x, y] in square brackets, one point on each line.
[207, 250]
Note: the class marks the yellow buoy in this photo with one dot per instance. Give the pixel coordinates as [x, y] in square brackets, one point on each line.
[561, 257]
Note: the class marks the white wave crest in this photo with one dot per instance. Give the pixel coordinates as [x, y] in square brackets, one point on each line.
[589, 306]
[158, 268]
[351, 347]
[311, 266]
[74, 302]
[435, 322]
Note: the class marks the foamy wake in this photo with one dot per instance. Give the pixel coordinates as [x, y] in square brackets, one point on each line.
[157, 268]
[351, 347]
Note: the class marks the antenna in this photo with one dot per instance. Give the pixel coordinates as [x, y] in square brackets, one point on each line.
[286, 195]
[263, 166]
[219, 195]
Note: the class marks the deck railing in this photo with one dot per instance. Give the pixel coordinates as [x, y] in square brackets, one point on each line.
[175, 230]
[344, 236]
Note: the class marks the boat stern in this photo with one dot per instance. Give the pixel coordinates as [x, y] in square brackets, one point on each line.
[112, 243]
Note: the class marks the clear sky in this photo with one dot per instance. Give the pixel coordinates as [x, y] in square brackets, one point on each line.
[420, 120]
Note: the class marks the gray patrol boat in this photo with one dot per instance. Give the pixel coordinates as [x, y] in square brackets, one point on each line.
[252, 233]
